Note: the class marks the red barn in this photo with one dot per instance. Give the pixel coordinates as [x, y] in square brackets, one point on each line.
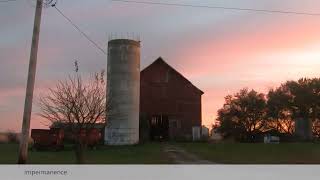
[170, 105]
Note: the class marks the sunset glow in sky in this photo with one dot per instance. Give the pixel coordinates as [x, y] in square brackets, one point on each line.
[219, 51]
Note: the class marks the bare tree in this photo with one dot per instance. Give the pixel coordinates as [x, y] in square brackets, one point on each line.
[77, 104]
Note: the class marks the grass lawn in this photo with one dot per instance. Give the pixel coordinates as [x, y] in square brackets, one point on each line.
[152, 153]
[139, 154]
[242, 153]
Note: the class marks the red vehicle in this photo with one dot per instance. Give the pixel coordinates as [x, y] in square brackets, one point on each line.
[90, 137]
[47, 138]
[53, 138]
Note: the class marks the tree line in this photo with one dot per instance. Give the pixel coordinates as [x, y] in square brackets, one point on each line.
[291, 111]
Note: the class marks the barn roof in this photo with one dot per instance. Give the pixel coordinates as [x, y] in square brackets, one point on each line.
[161, 61]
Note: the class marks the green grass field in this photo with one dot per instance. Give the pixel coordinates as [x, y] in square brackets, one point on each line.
[138, 154]
[242, 153]
[152, 153]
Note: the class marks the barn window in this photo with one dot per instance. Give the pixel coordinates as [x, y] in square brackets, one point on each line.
[175, 123]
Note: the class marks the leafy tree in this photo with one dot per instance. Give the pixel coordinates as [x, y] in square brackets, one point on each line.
[296, 101]
[292, 107]
[242, 116]
[316, 128]
[315, 111]
[304, 98]
[279, 115]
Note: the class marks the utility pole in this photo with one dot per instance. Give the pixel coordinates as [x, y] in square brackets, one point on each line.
[23, 149]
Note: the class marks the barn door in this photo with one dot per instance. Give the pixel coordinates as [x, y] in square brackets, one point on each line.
[159, 127]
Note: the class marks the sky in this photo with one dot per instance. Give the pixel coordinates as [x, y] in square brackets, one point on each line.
[219, 51]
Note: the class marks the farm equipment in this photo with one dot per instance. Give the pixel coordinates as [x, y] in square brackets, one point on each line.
[90, 137]
[53, 138]
[48, 138]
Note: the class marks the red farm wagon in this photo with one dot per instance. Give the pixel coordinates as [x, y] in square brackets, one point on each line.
[48, 138]
[90, 137]
[54, 138]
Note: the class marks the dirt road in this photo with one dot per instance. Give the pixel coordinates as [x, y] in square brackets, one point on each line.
[181, 156]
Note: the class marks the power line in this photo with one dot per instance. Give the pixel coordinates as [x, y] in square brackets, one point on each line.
[219, 7]
[81, 32]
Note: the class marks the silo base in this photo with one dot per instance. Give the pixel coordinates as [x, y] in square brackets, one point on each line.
[121, 136]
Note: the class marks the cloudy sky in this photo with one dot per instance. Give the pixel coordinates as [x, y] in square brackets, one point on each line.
[220, 51]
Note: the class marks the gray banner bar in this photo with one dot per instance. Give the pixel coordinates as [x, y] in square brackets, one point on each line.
[160, 172]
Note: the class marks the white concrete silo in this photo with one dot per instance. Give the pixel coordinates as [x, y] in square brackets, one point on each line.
[123, 88]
